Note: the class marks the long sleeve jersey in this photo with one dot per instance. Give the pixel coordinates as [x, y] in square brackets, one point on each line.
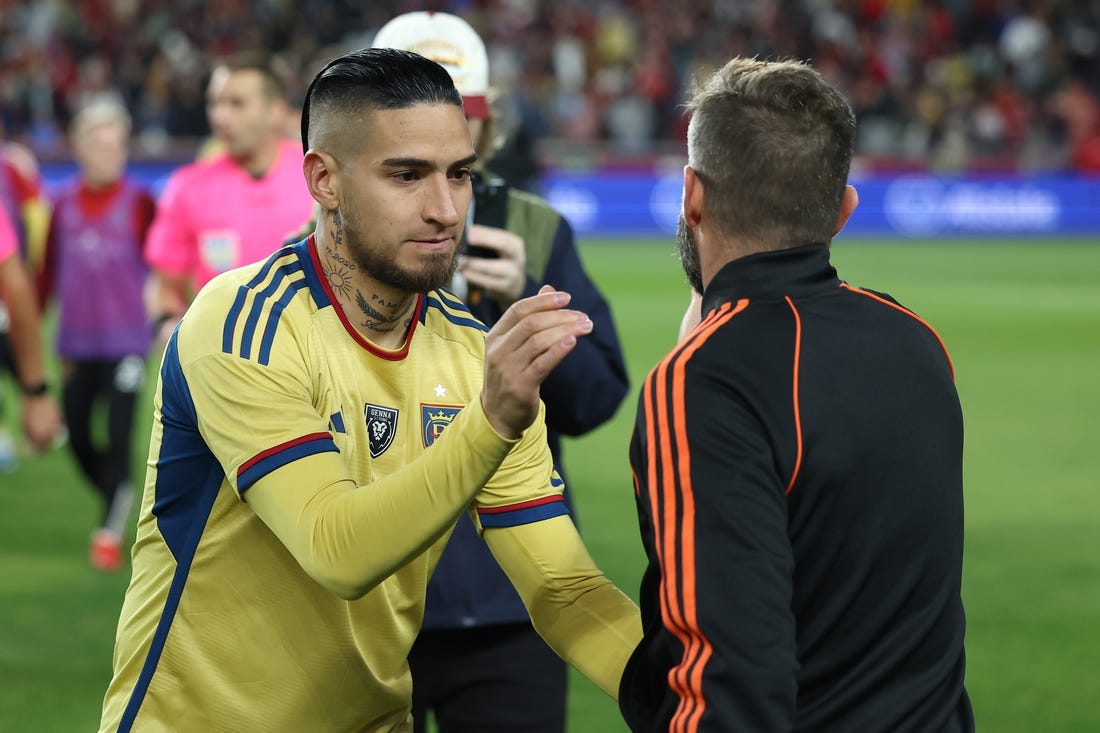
[302, 482]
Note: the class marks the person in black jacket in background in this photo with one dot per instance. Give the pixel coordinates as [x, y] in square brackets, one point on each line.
[797, 456]
[478, 664]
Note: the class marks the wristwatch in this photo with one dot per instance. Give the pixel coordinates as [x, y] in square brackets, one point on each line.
[37, 389]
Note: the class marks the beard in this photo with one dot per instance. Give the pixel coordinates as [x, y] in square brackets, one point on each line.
[381, 264]
[689, 255]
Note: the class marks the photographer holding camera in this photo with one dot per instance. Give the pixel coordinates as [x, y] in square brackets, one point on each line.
[478, 664]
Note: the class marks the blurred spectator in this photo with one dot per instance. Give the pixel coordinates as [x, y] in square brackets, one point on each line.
[1078, 111]
[928, 79]
[93, 268]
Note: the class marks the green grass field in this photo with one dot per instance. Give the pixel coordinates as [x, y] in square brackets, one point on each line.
[1022, 322]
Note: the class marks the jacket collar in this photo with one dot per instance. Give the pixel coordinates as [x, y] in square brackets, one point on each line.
[797, 272]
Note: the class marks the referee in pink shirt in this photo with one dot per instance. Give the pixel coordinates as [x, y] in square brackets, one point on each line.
[236, 206]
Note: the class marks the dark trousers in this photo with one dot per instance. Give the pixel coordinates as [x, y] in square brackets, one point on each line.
[7, 364]
[490, 679]
[117, 382]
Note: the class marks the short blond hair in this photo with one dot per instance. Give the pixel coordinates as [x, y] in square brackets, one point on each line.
[100, 112]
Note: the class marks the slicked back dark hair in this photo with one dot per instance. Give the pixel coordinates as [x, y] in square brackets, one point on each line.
[772, 142]
[376, 78]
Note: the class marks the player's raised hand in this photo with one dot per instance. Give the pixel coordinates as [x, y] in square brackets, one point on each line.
[529, 340]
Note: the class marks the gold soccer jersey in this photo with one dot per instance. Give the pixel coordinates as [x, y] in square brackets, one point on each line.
[270, 404]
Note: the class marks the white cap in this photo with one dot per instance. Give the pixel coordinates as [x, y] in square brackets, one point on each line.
[450, 42]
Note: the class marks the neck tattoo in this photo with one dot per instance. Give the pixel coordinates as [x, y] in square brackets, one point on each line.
[376, 317]
[337, 229]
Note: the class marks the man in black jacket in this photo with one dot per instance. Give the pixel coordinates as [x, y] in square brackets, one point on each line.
[797, 456]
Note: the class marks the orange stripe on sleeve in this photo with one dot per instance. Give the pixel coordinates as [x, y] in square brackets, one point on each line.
[663, 515]
[633, 475]
[909, 313]
[794, 394]
[685, 678]
[663, 538]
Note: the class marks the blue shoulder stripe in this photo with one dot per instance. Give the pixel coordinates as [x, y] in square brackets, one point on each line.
[258, 301]
[316, 289]
[273, 320]
[451, 299]
[242, 295]
[454, 311]
[283, 275]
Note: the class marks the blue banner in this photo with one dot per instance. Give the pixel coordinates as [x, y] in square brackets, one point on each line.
[645, 204]
[907, 206]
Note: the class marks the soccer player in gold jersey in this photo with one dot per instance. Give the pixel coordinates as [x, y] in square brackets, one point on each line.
[321, 421]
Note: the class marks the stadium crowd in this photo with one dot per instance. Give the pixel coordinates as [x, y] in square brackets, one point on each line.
[949, 84]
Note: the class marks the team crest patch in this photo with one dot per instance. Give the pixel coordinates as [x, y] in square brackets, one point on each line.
[381, 427]
[434, 419]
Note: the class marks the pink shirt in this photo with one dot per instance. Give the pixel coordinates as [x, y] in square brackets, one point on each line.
[213, 216]
[9, 245]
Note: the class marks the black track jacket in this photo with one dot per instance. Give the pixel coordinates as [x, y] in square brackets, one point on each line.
[798, 467]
